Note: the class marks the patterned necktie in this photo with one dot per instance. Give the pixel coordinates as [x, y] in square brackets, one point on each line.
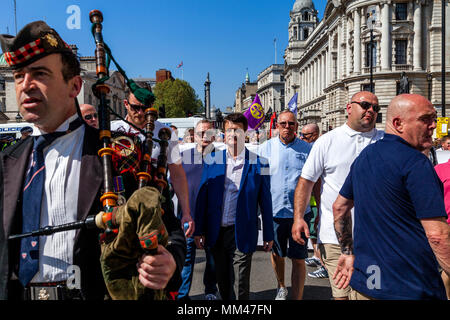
[31, 210]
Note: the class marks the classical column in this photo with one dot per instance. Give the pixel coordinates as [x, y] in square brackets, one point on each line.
[339, 51]
[320, 73]
[316, 71]
[417, 52]
[357, 43]
[348, 53]
[310, 82]
[208, 97]
[385, 37]
[324, 71]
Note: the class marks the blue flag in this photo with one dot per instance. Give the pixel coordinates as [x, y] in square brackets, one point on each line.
[293, 104]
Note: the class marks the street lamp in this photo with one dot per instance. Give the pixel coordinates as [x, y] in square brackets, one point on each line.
[18, 117]
[370, 25]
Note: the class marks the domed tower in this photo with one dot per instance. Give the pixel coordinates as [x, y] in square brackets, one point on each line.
[303, 21]
[302, 24]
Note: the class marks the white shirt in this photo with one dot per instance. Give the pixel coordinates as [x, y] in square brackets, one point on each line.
[59, 202]
[173, 155]
[233, 177]
[330, 159]
[442, 156]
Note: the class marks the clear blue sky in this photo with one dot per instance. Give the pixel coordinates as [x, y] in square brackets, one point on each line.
[222, 37]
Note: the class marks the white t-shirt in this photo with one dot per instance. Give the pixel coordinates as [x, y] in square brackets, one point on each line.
[173, 155]
[330, 159]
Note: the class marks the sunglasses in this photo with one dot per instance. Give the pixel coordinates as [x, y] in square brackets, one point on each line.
[137, 107]
[91, 116]
[202, 134]
[306, 135]
[283, 123]
[366, 105]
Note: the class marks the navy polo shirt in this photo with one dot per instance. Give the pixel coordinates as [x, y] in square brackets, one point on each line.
[393, 186]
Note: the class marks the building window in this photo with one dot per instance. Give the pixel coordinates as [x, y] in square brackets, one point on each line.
[366, 87]
[90, 99]
[295, 33]
[305, 33]
[379, 117]
[305, 16]
[400, 51]
[401, 11]
[335, 68]
[374, 54]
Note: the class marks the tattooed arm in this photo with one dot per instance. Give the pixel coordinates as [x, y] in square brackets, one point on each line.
[343, 229]
[343, 223]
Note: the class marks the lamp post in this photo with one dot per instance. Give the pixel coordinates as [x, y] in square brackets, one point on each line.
[429, 79]
[18, 117]
[370, 25]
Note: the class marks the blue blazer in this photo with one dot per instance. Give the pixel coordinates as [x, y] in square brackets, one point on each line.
[254, 190]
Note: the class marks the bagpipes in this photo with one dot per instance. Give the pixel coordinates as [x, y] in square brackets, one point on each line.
[135, 228]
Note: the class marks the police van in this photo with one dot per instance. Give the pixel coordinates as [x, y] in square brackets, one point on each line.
[13, 129]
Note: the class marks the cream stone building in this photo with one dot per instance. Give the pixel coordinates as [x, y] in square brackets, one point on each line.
[245, 94]
[271, 88]
[327, 62]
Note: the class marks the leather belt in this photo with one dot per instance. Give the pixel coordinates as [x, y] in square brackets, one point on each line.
[51, 291]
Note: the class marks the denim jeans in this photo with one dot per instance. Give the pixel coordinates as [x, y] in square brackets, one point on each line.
[209, 277]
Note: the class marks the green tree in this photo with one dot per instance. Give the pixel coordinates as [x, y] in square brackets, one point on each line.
[178, 97]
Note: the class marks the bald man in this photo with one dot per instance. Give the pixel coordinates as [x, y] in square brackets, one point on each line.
[90, 115]
[400, 228]
[310, 132]
[329, 160]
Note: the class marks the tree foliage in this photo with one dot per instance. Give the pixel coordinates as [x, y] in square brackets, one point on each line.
[178, 97]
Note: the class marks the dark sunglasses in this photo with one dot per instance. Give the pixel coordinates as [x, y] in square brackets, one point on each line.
[91, 116]
[306, 135]
[283, 123]
[366, 105]
[137, 107]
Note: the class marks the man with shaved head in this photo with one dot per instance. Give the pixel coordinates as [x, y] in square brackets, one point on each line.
[310, 132]
[400, 228]
[329, 160]
[89, 114]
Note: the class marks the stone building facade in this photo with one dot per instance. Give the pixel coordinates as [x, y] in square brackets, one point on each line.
[245, 94]
[333, 62]
[271, 88]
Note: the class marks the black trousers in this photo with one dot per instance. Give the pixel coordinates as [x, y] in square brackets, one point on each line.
[227, 259]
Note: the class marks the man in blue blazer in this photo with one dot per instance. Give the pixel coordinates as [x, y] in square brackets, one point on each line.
[234, 183]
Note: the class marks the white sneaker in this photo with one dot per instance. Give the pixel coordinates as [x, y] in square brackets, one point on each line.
[313, 262]
[211, 296]
[282, 294]
[319, 273]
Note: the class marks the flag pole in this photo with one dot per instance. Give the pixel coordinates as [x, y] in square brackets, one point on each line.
[15, 16]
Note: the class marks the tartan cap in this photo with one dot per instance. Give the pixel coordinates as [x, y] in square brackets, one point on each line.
[35, 41]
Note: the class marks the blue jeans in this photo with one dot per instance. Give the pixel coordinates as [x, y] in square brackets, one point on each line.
[209, 277]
